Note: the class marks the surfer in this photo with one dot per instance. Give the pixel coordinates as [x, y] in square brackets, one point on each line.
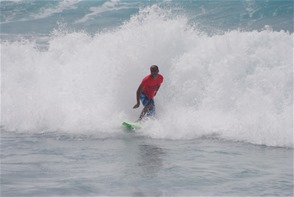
[147, 90]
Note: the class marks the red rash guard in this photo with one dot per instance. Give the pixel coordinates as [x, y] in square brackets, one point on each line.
[150, 85]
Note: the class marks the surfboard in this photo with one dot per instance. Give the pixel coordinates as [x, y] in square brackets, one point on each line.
[131, 125]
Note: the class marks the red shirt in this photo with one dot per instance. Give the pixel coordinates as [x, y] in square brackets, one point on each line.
[150, 85]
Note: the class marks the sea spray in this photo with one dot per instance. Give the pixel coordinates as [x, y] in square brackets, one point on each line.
[235, 86]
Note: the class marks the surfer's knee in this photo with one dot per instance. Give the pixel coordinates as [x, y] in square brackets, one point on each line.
[149, 106]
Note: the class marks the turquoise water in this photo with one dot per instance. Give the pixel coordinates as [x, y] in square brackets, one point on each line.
[224, 122]
[91, 16]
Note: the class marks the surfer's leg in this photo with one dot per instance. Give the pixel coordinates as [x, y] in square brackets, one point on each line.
[151, 110]
[145, 109]
[148, 104]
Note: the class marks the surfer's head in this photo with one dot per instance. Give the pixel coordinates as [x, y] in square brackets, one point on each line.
[154, 71]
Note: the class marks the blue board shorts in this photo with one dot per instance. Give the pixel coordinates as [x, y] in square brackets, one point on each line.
[146, 101]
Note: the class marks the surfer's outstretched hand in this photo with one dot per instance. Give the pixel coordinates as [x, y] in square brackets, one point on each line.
[136, 106]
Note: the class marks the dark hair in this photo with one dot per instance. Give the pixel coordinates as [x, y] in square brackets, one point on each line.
[154, 66]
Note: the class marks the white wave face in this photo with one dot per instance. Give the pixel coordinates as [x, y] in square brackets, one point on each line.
[235, 86]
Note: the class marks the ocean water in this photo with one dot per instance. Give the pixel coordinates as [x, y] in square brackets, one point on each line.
[224, 122]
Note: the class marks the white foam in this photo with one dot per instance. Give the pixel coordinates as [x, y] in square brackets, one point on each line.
[236, 86]
[15, 1]
[59, 8]
[107, 6]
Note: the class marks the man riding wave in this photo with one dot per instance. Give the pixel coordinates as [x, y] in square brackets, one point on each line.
[147, 91]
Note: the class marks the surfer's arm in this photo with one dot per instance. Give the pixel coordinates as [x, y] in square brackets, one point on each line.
[157, 88]
[139, 90]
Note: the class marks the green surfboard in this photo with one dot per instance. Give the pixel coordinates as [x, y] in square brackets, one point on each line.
[131, 125]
